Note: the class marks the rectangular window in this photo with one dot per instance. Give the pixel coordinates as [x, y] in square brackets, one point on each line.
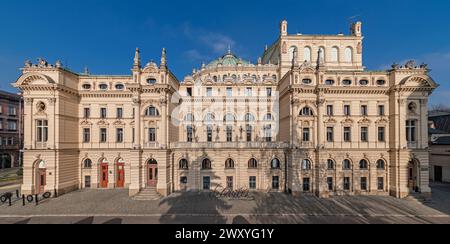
[86, 135]
[268, 133]
[249, 130]
[381, 110]
[330, 110]
[330, 134]
[347, 134]
[230, 182]
[119, 113]
[183, 180]
[10, 141]
[229, 133]
[411, 131]
[248, 92]
[1, 109]
[152, 135]
[380, 183]
[364, 111]
[209, 133]
[347, 110]
[306, 134]
[1, 124]
[119, 135]
[132, 135]
[189, 92]
[103, 113]
[190, 133]
[252, 182]
[275, 182]
[103, 135]
[229, 92]
[364, 134]
[330, 184]
[87, 113]
[209, 92]
[12, 125]
[381, 134]
[12, 111]
[306, 184]
[269, 92]
[363, 183]
[346, 184]
[206, 183]
[41, 130]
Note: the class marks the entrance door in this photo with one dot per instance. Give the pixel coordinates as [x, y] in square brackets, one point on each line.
[120, 175]
[104, 176]
[152, 173]
[412, 175]
[42, 180]
[438, 173]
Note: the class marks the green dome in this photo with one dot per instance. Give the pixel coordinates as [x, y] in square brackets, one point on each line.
[228, 60]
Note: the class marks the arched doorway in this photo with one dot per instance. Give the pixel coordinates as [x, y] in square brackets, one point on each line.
[152, 173]
[120, 181]
[41, 176]
[5, 161]
[413, 176]
[104, 174]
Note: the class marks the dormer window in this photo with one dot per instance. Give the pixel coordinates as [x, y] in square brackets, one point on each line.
[120, 87]
[346, 82]
[329, 82]
[381, 82]
[364, 82]
[151, 81]
[103, 87]
[306, 81]
[87, 86]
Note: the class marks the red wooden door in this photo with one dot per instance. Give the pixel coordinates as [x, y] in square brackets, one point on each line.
[42, 181]
[104, 176]
[120, 175]
[152, 174]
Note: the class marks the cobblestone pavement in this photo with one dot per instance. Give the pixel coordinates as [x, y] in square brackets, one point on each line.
[115, 207]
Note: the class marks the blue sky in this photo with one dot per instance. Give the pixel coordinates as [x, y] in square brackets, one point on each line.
[102, 34]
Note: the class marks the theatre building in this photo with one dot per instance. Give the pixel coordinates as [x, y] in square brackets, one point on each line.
[306, 118]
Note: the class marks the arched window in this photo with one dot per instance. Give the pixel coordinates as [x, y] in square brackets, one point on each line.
[268, 117]
[306, 111]
[249, 117]
[335, 54]
[206, 164]
[307, 54]
[306, 164]
[346, 165]
[87, 164]
[274, 77]
[330, 164]
[275, 164]
[209, 118]
[234, 77]
[229, 118]
[363, 164]
[381, 165]
[348, 55]
[184, 164]
[215, 78]
[189, 118]
[252, 164]
[322, 54]
[151, 112]
[293, 52]
[229, 164]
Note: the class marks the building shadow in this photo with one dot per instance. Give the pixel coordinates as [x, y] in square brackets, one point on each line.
[116, 221]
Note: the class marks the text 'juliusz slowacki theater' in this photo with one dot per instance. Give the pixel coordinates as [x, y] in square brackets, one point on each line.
[305, 118]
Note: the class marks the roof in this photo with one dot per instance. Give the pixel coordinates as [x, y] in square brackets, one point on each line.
[432, 131]
[10, 96]
[441, 122]
[445, 140]
[229, 60]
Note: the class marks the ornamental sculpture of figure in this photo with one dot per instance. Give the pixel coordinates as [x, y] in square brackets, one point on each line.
[410, 64]
[28, 64]
[42, 63]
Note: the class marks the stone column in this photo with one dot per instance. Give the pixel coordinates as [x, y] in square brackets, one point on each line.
[135, 166]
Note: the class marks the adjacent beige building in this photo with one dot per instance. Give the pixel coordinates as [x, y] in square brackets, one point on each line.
[306, 118]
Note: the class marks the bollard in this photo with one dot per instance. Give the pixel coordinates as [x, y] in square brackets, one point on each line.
[10, 204]
[23, 200]
[17, 193]
[37, 200]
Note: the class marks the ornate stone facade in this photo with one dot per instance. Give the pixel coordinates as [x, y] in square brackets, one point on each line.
[307, 118]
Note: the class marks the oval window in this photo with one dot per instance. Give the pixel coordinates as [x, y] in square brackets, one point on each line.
[151, 81]
[103, 87]
[364, 82]
[86, 86]
[346, 82]
[329, 82]
[120, 87]
[381, 82]
[307, 81]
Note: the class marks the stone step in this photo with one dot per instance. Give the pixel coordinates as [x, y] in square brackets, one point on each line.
[148, 194]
